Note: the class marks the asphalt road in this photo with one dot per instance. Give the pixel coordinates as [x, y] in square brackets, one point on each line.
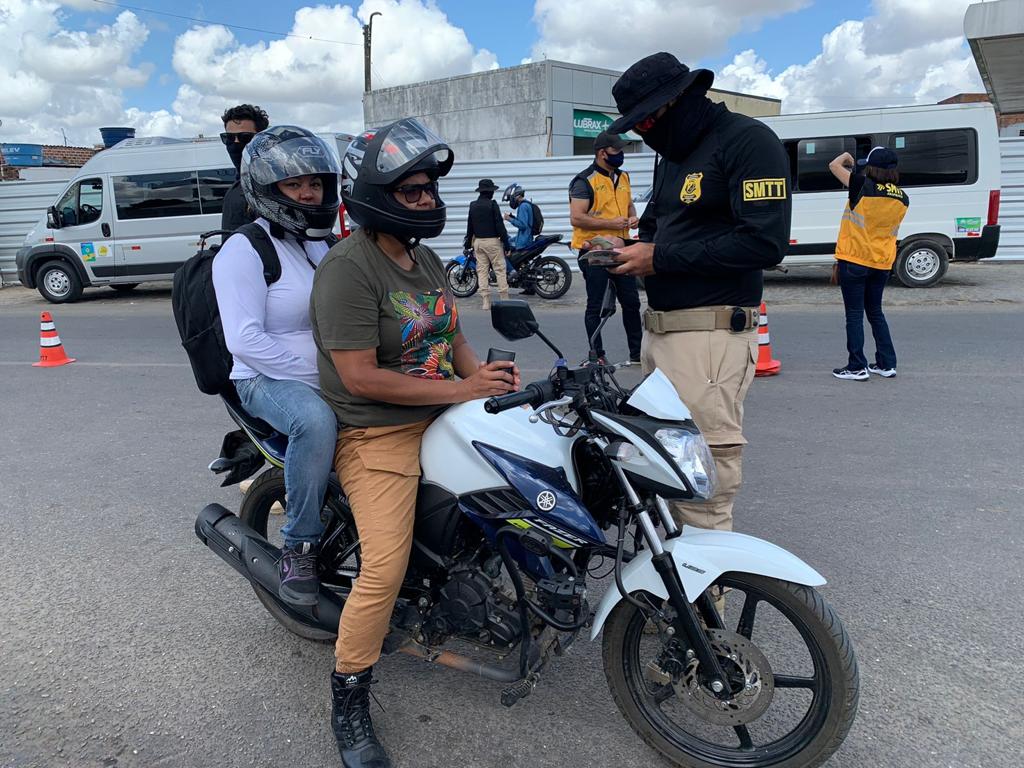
[124, 642]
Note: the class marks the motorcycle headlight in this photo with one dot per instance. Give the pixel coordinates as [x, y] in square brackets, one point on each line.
[693, 456]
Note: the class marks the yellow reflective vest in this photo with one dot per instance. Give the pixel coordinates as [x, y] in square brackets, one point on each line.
[609, 201]
[871, 223]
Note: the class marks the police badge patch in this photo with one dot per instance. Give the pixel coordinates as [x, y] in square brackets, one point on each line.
[690, 193]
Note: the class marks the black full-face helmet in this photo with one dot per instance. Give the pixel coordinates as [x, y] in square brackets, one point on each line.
[376, 162]
[284, 152]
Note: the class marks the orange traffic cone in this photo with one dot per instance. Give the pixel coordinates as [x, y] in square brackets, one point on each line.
[766, 366]
[51, 351]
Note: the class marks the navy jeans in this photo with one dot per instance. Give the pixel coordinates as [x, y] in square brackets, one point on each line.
[862, 294]
[629, 297]
[297, 410]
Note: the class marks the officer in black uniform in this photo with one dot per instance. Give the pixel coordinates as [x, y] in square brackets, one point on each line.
[719, 214]
[241, 123]
[487, 236]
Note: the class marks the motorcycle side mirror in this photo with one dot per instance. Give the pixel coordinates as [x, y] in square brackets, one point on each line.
[52, 218]
[513, 319]
[608, 302]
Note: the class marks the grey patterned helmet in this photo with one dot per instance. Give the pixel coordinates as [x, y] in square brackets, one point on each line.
[513, 194]
[284, 152]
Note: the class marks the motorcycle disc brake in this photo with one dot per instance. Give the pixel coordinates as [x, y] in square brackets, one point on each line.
[749, 677]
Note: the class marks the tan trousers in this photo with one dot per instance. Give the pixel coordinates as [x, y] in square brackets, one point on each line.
[711, 371]
[490, 253]
[379, 468]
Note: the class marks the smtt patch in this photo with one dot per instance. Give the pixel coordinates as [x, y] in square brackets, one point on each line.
[764, 189]
[690, 193]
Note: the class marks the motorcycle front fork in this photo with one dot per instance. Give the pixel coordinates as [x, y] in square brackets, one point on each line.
[710, 673]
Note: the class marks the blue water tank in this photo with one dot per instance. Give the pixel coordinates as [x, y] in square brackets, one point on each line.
[22, 155]
[112, 136]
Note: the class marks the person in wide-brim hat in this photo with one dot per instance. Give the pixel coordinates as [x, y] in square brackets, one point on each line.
[486, 185]
[650, 84]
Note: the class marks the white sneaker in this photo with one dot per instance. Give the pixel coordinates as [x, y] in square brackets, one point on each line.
[885, 373]
[846, 374]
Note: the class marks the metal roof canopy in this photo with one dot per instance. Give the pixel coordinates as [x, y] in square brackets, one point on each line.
[995, 31]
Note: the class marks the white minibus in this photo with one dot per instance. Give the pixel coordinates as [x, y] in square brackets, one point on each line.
[949, 165]
[131, 214]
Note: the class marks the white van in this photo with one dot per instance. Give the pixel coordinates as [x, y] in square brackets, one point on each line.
[949, 165]
[132, 214]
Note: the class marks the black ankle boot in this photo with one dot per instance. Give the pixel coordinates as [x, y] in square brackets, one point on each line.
[350, 718]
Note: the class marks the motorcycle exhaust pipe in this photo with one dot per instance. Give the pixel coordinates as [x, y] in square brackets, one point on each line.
[256, 559]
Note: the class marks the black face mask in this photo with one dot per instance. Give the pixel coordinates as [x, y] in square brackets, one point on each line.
[235, 150]
[675, 134]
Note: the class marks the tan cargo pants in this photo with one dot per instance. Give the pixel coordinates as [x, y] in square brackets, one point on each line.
[711, 371]
[490, 253]
[379, 468]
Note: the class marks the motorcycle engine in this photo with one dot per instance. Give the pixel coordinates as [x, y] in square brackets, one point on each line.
[472, 606]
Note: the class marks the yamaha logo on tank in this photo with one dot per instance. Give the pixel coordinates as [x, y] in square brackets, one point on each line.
[546, 501]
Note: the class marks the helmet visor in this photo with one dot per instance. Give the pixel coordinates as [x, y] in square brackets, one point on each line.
[300, 156]
[408, 142]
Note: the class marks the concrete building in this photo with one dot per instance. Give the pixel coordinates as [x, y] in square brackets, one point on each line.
[544, 109]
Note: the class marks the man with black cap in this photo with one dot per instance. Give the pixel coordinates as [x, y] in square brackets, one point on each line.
[487, 236]
[601, 204]
[719, 214]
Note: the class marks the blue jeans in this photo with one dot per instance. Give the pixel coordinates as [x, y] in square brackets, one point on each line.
[296, 409]
[862, 294]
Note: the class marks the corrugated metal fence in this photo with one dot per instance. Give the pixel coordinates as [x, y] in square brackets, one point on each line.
[21, 205]
[1011, 203]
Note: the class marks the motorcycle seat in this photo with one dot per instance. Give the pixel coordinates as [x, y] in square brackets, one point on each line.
[257, 427]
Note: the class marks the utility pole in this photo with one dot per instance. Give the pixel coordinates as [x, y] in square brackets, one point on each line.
[367, 35]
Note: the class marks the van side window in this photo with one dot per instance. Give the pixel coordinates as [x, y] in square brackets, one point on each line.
[932, 158]
[157, 195]
[812, 159]
[213, 185]
[82, 203]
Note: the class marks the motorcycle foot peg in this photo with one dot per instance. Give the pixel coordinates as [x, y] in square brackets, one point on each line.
[519, 690]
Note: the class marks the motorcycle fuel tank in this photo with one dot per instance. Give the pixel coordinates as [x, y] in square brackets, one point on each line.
[450, 460]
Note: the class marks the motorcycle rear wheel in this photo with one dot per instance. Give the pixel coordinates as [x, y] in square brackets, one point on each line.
[652, 689]
[256, 513]
[552, 277]
[461, 280]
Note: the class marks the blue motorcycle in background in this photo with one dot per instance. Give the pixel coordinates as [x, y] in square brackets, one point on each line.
[528, 268]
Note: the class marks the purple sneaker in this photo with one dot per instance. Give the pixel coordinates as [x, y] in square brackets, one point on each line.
[299, 583]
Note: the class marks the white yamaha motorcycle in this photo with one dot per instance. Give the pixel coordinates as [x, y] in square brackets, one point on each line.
[526, 495]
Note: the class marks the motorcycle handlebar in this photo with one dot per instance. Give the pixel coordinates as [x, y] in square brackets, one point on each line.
[534, 394]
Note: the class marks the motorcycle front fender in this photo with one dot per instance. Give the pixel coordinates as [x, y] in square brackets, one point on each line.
[701, 556]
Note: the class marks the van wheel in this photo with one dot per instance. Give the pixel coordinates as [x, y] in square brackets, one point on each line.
[124, 287]
[58, 282]
[921, 263]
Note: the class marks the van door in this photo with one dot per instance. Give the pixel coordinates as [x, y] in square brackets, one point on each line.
[159, 219]
[84, 213]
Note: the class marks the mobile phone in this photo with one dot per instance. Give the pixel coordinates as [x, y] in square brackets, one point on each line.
[602, 258]
[500, 356]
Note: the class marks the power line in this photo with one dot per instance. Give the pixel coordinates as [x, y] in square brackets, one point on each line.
[223, 23]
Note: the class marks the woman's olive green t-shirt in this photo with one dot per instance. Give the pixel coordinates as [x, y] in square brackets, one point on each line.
[362, 300]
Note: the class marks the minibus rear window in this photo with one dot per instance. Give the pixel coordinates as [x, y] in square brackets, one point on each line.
[935, 158]
[213, 185]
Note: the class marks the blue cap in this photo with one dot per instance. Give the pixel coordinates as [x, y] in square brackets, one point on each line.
[880, 157]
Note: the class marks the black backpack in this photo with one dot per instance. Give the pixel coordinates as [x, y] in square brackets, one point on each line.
[538, 220]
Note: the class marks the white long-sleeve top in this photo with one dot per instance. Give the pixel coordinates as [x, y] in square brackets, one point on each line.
[267, 328]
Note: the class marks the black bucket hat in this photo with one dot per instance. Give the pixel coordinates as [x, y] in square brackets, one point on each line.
[650, 84]
[486, 185]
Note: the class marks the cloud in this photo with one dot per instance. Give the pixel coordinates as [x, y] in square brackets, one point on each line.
[53, 77]
[872, 62]
[608, 33]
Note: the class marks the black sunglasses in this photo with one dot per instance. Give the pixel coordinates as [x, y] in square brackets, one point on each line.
[242, 137]
[413, 192]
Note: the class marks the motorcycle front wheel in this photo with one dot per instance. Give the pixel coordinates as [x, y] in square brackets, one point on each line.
[551, 277]
[339, 548]
[461, 280]
[789, 664]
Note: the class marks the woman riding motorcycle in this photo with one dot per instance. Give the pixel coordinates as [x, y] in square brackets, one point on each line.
[290, 179]
[392, 356]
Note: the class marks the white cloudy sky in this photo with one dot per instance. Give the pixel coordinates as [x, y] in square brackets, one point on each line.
[70, 66]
